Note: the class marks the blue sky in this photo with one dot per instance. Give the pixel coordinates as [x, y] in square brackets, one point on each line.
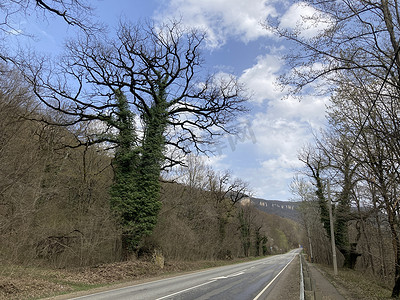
[275, 128]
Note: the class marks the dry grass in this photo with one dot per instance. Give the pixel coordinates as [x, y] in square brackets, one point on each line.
[356, 284]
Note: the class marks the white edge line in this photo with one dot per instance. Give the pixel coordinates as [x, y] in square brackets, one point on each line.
[264, 289]
[193, 272]
[159, 280]
[185, 290]
[145, 283]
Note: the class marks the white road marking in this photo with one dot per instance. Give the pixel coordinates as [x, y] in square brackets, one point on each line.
[217, 278]
[208, 282]
[264, 289]
[185, 290]
[230, 275]
[236, 274]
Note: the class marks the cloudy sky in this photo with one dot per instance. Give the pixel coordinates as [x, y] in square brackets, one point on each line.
[276, 127]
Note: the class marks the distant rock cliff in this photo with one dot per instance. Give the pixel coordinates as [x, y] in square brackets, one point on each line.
[285, 209]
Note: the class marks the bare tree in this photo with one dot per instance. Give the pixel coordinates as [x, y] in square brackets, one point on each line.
[372, 121]
[309, 209]
[316, 165]
[76, 13]
[73, 12]
[355, 55]
[149, 73]
[353, 36]
[157, 68]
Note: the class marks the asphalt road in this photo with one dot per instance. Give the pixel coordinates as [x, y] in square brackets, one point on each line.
[250, 280]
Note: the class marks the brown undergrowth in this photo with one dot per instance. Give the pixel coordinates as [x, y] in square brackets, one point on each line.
[355, 284]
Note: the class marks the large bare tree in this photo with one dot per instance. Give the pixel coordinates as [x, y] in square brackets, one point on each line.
[149, 73]
[155, 67]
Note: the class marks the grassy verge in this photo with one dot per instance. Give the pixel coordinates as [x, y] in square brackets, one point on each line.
[18, 282]
[356, 284]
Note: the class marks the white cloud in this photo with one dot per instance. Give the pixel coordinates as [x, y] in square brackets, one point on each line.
[261, 78]
[271, 179]
[280, 165]
[281, 131]
[280, 127]
[309, 112]
[222, 18]
[305, 20]
[277, 136]
[216, 162]
[288, 124]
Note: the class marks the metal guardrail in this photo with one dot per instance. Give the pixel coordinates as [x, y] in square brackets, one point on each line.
[301, 278]
[307, 285]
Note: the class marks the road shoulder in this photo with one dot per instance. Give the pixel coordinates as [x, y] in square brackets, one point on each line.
[287, 285]
[323, 287]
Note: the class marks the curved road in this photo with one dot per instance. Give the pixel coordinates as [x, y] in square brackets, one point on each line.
[250, 280]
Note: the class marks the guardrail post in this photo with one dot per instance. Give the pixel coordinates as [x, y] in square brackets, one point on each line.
[301, 278]
[307, 284]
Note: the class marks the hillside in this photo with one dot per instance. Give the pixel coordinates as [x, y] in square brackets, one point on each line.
[285, 209]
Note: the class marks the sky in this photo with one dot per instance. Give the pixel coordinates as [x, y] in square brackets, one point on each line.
[276, 127]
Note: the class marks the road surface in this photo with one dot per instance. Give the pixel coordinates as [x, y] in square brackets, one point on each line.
[250, 280]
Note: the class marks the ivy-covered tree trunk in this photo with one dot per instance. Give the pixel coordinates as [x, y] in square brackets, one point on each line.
[152, 157]
[258, 240]
[342, 216]
[136, 190]
[124, 192]
[322, 204]
[244, 231]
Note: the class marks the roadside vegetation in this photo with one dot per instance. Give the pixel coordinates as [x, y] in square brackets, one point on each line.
[56, 203]
[101, 176]
[59, 232]
[355, 284]
[352, 59]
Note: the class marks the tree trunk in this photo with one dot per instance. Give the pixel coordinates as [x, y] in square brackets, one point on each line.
[396, 288]
[396, 246]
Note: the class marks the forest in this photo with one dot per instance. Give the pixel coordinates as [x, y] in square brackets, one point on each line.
[101, 152]
[55, 201]
[354, 161]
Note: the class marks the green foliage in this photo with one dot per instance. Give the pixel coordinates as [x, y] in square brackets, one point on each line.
[124, 192]
[341, 232]
[323, 205]
[282, 240]
[260, 240]
[342, 215]
[244, 221]
[136, 190]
